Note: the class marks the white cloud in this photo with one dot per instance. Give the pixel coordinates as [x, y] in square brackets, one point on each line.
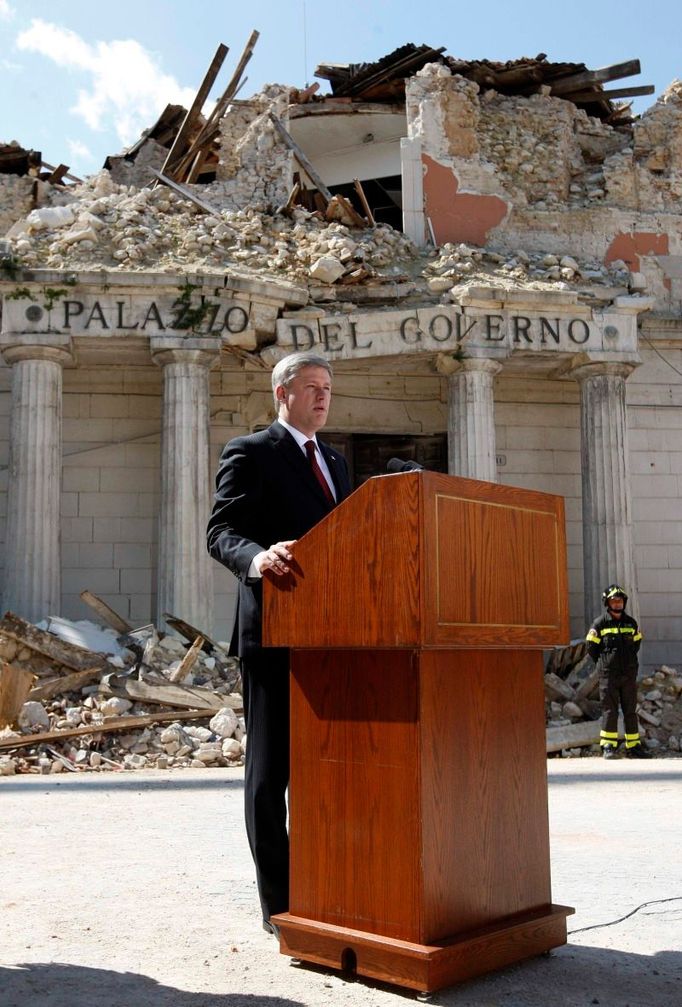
[79, 151]
[127, 89]
[6, 12]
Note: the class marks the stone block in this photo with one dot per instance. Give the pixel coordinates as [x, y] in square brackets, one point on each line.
[659, 580]
[105, 529]
[652, 556]
[79, 454]
[137, 581]
[147, 505]
[648, 463]
[81, 479]
[103, 406]
[97, 581]
[148, 407]
[96, 555]
[69, 505]
[70, 555]
[108, 505]
[654, 485]
[666, 509]
[142, 455]
[140, 608]
[647, 532]
[138, 529]
[132, 556]
[77, 529]
[131, 480]
[92, 430]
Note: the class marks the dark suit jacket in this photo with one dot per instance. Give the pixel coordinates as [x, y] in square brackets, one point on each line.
[266, 492]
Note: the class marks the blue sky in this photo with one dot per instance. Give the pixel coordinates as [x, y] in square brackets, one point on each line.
[81, 80]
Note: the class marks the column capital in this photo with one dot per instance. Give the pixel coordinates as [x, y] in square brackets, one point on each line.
[449, 365]
[52, 347]
[582, 369]
[204, 351]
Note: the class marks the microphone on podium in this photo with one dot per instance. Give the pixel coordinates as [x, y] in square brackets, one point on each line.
[400, 465]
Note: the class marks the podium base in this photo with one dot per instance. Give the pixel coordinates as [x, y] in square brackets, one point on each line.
[424, 967]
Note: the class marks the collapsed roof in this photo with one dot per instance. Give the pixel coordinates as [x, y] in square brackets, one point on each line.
[384, 79]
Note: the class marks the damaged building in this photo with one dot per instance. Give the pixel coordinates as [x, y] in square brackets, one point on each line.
[489, 254]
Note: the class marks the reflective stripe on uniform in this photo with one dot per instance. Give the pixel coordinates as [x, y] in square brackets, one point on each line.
[592, 636]
[616, 629]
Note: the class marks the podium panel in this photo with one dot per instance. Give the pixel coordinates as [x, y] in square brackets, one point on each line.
[422, 559]
[419, 829]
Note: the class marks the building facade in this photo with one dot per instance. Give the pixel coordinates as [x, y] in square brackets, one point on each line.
[119, 388]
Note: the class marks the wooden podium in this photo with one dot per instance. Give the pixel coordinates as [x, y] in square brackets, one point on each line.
[418, 798]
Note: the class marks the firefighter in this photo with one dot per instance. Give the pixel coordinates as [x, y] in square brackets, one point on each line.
[613, 643]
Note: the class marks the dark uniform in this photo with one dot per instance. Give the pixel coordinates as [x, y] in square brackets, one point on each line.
[613, 645]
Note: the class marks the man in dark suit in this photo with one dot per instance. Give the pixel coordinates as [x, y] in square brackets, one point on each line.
[271, 488]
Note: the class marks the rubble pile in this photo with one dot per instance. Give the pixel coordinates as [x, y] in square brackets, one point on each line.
[101, 225]
[573, 710]
[107, 226]
[189, 718]
[456, 264]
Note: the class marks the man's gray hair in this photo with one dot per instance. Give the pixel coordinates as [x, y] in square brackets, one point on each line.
[288, 367]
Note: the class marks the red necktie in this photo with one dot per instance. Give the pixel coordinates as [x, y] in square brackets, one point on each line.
[319, 475]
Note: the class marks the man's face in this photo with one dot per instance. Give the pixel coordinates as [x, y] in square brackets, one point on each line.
[616, 605]
[304, 402]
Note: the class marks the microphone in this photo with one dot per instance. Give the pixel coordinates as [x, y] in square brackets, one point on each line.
[399, 465]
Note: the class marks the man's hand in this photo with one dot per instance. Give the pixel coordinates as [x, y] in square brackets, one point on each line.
[276, 558]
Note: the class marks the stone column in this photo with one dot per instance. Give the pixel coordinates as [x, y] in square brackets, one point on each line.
[471, 419]
[185, 581]
[607, 521]
[32, 550]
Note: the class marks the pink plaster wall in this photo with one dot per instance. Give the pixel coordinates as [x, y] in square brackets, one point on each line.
[457, 216]
[629, 247]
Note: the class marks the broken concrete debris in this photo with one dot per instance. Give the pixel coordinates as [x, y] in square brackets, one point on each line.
[572, 706]
[131, 714]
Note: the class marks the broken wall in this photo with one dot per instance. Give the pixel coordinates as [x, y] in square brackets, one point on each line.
[16, 199]
[255, 167]
[538, 173]
[137, 171]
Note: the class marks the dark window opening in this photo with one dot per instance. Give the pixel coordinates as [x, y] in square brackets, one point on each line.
[368, 454]
[384, 196]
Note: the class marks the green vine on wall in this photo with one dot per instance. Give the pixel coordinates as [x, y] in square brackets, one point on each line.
[190, 317]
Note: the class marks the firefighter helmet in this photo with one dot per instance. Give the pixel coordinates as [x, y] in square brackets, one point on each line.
[614, 591]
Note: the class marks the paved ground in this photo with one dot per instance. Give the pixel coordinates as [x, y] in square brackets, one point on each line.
[136, 890]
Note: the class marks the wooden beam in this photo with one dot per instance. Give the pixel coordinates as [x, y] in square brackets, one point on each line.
[241, 66]
[110, 726]
[166, 694]
[211, 126]
[576, 81]
[49, 645]
[187, 193]
[194, 111]
[57, 174]
[15, 686]
[51, 167]
[105, 612]
[188, 661]
[64, 683]
[190, 633]
[363, 199]
[397, 69]
[300, 156]
[621, 92]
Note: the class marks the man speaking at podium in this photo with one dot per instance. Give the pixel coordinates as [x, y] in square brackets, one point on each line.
[271, 488]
